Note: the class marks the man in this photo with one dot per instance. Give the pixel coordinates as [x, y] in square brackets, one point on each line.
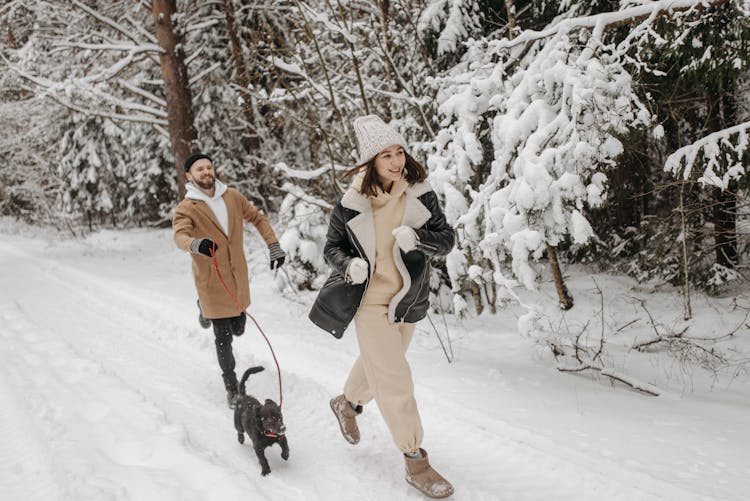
[207, 222]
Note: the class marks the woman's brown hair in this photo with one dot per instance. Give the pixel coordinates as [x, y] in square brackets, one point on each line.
[414, 172]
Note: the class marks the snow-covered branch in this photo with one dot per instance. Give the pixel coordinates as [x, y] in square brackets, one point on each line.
[715, 149]
[114, 116]
[608, 20]
[303, 218]
[295, 69]
[145, 34]
[553, 126]
[106, 20]
[133, 48]
[143, 93]
[407, 89]
[299, 193]
[306, 174]
[57, 89]
[454, 16]
[204, 72]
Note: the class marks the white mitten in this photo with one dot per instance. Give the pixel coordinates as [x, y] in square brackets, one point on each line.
[357, 270]
[405, 238]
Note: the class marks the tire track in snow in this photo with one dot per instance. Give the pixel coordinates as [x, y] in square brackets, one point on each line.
[23, 456]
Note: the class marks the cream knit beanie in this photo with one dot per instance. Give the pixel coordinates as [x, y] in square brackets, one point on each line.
[373, 136]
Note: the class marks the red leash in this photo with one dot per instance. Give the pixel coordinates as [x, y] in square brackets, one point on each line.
[237, 303]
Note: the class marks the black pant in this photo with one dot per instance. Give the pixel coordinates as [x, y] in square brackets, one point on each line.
[224, 329]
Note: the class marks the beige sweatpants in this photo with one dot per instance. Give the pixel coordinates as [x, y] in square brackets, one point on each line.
[382, 372]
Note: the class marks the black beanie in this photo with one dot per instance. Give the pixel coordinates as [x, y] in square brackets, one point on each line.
[194, 158]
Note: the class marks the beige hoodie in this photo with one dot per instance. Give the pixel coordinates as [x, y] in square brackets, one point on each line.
[388, 212]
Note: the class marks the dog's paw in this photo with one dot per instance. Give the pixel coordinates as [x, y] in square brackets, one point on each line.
[241, 438]
[265, 471]
[285, 455]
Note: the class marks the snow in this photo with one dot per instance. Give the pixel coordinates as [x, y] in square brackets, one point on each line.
[109, 390]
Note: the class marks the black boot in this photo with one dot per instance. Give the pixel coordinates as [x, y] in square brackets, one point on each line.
[223, 334]
[232, 397]
[230, 383]
[205, 323]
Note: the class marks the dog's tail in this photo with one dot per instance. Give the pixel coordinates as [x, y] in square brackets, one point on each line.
[251, 370]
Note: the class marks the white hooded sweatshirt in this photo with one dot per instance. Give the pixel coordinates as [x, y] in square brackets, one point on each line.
[216, 202]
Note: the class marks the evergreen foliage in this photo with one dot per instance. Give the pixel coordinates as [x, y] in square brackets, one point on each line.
[544, 124]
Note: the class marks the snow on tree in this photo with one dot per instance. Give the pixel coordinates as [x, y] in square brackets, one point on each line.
[720, 154]
[103, 64]
[714, 50]
[81, 60]
[453, 20]
[551, 120]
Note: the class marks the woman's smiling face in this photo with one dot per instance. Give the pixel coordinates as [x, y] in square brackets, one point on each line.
[389, 165]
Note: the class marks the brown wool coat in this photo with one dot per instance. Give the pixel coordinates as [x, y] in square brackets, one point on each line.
[194, 219]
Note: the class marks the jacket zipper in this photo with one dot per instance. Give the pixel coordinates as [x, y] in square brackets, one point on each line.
[361, 255]
[427, 246]
[421, 284]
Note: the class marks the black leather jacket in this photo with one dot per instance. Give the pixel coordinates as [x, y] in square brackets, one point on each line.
[351, 233]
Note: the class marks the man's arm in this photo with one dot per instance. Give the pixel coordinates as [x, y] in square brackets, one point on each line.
[183, 229]
[251, 214]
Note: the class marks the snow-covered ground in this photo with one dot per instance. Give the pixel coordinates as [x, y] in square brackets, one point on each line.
[109, 390]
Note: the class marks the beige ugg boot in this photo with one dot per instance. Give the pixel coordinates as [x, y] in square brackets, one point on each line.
[347, 418]
[425, 479]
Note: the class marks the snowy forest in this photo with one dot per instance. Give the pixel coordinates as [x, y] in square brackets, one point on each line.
[588, 336]
[610, 134]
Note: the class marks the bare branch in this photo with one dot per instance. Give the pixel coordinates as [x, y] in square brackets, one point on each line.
[406, 88]
[332, 95]
[627, 324]
[601, 305]
[651, 318]
[646, 388]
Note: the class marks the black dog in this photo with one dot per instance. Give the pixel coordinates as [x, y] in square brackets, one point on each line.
[263, 423]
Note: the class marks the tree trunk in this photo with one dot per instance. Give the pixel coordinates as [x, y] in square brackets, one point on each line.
[566, 301]
[182, 133]
[685, 263]
[241, 75]
[476, 293]
[383, 7]
[510, 8]
[725, 227]
[255, 170]
[721, 112]
[11, 39]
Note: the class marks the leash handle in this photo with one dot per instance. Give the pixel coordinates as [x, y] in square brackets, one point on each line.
[237, 303]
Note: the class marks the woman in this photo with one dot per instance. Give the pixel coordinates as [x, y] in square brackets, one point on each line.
[380, 238]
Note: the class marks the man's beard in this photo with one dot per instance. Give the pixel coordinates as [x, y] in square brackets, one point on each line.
[206, 183]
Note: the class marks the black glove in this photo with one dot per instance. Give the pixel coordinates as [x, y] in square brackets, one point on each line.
[277, 256]
[203, 246]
